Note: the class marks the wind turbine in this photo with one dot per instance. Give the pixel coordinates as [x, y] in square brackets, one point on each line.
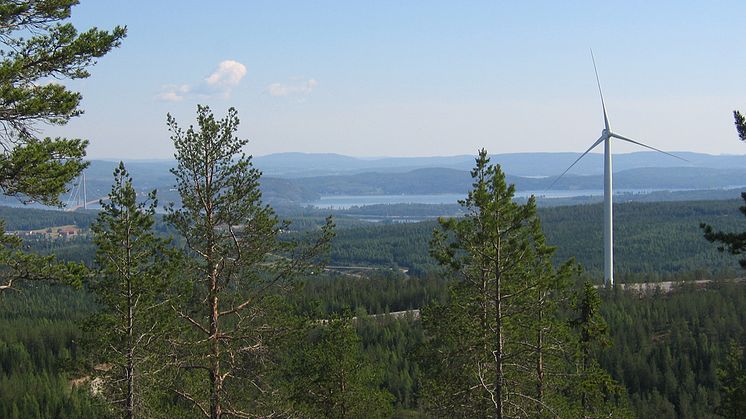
[606, 135]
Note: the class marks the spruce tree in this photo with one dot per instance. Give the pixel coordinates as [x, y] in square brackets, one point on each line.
[237, 266]
[592, 392]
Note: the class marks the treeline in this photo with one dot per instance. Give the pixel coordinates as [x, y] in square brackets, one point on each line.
[376, 292]
[652, 240]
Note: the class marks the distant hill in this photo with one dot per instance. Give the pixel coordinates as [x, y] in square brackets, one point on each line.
[519, 164]
[295, 165]
[434, 181]
[290, 178]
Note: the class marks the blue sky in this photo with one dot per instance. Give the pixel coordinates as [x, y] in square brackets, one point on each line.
[415, 78]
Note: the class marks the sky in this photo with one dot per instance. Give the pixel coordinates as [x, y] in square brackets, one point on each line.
[415, 78]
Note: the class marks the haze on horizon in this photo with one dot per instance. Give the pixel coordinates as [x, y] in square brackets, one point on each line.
[416, 79]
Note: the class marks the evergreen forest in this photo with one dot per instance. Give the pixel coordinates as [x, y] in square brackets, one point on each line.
[203, 300]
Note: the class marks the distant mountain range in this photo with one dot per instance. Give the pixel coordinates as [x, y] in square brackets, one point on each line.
[299, 177]
[519, 164]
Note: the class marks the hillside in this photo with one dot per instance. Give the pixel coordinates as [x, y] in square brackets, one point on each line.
[652, 240]
[315, 175]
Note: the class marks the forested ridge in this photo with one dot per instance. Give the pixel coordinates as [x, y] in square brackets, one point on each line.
[653, 240]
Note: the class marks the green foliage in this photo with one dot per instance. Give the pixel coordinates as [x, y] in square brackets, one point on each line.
[329, 375]
[17, 265]
[39, 347]
[666, 348]
[134, 286]
[735, 243]
[654, 241]
[593, 393]
[392, 343]
[20, 219]
[237, 266]
[740, 125]
[374, 292]
[732, 377]
[38, 44]
[497, 346]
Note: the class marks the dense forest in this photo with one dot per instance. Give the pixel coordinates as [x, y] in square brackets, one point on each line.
[665, 349]
[214, 306]
[653, 240]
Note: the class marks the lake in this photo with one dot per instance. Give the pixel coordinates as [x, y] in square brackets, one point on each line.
[341, 202]
[348, 201]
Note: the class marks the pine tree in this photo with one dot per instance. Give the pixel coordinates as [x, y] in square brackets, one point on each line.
[36, 43]
[135, 276]
[237, 263]
[492, 348]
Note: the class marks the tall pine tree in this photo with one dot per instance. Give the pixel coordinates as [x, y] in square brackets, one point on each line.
[134, 286]
[492, 350]
[237, 265]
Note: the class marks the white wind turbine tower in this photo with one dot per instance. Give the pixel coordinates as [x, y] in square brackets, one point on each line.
[606, 135]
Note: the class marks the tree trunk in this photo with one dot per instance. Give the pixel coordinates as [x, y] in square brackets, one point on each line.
[130, 398]
[499, 336]
[130, 402]
[216, 382]
[485, 332]
[540, 356]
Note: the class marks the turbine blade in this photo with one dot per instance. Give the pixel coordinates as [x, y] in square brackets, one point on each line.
[598, 82]
[576, 161]
[623, 138]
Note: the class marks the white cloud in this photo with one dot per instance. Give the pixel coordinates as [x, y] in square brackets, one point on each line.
[228, 74]
[174, 92]
[219, 83]
[301, 87]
